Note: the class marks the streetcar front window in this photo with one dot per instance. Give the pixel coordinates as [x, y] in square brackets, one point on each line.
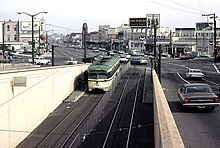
[92, 76]
[97, 76]
[102, 76]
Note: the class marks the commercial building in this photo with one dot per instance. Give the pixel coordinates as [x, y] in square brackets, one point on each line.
[16, 35]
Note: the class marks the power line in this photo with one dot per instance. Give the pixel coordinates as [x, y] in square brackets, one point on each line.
[188, 7]
[61, 27]
[167, 6]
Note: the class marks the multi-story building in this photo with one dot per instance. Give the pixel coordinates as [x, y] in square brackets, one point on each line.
[9, 34]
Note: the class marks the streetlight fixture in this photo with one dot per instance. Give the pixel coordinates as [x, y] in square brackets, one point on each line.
[46, 38]
[33, 43]
[212, 16]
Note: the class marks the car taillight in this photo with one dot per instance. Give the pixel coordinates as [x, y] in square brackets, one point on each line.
[186, 100]
[216, 100]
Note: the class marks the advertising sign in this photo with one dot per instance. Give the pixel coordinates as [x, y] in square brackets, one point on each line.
[27, 26]
[137, 22]
[153, 19]
[203, 26]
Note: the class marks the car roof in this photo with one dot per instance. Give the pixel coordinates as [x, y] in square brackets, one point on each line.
[195, 84]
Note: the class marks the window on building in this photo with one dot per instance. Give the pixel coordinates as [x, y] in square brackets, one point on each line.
[8, 37]
[15, 37]
[15, 28]
[8, 28]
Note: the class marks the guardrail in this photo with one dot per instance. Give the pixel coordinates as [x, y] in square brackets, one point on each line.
[166, 134]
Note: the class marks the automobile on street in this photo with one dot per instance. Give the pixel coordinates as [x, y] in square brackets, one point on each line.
[199, 95]
[194, 73]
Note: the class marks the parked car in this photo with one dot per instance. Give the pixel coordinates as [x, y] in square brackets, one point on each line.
[123, 59]
[40, 61]
[197, 95]
[111, 53]
[71, 62]
[194, 73]
[186, 57]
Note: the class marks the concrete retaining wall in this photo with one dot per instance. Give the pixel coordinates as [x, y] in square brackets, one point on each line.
[23, 108]
[166, 134]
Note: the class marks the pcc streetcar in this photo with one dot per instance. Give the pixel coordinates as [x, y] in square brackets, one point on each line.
[102, 74]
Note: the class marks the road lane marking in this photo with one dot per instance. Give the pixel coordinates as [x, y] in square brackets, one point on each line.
[216, 68]
[182, 78]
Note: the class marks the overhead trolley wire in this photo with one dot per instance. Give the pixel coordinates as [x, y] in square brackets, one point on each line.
[168, 6]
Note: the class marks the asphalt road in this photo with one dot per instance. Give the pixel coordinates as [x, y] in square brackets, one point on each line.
[61, 55]
[199, 128]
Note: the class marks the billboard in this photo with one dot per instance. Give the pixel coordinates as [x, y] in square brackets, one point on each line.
[27, 26]
[203, 26]
[153, 19]
[137, 22]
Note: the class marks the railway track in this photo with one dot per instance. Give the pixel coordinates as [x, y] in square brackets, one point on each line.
[120, 128]
[67, 128]
[126, 121]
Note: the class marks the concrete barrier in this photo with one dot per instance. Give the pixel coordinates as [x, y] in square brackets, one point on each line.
[9, 66]
[27, 97]
[166, 134]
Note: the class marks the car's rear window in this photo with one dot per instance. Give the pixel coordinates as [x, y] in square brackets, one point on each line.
[195, 71]
[198, 89]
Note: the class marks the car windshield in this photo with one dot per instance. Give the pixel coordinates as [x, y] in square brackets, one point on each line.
[198, 89]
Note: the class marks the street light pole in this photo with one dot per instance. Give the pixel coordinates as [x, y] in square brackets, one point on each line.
[3, 34]
[32, 28]
[32, 37]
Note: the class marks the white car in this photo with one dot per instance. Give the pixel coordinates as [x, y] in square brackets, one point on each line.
[143, 61]
[123, 59]
[111, 53]
[40, 61]
[71, 61]
[194, 73]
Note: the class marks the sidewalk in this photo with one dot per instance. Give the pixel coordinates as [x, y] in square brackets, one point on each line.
[75, 95]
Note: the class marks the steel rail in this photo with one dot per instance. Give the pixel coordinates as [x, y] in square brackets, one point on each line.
[57, 127]
[115, 113]
[133, 110]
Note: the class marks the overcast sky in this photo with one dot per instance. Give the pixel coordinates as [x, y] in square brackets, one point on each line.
[71, 14]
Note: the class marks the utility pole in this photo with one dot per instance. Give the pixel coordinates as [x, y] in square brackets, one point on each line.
[212, 16]
[171, 51]
[215, 49]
